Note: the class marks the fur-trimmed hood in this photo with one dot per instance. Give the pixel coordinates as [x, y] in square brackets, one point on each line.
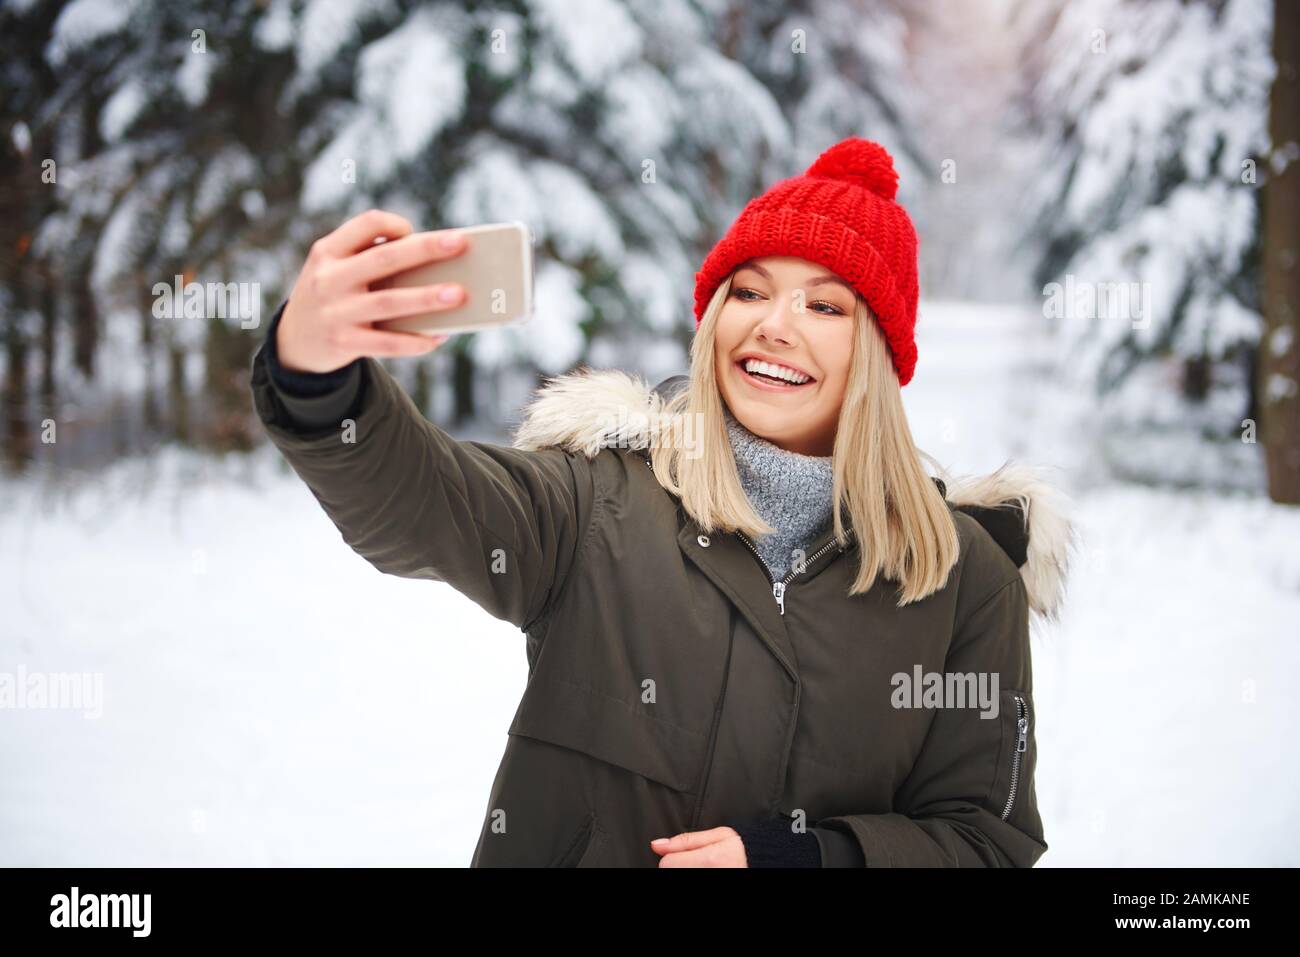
[591, 409]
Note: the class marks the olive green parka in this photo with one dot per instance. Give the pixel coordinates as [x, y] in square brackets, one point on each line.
[673, 686]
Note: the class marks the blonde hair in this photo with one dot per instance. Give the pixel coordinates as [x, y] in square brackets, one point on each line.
[901, 522]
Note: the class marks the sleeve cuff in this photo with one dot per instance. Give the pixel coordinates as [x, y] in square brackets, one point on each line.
[312, 401]
[775, 843]
[839, 849]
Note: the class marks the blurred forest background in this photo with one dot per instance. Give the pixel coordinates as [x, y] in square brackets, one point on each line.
[1098, 141]
[270, 698]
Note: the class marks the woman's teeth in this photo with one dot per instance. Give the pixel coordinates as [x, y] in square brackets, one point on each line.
[768, 372]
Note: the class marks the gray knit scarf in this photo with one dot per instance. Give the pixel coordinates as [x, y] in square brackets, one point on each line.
[790, 491]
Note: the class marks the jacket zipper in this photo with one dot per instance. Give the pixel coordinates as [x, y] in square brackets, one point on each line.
[778, 587]
[1022, 742]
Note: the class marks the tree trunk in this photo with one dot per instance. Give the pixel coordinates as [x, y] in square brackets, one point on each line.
[18, 439]
[1279, 353]
[178, 397]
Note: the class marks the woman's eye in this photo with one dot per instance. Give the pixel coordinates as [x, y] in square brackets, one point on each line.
[745, 294]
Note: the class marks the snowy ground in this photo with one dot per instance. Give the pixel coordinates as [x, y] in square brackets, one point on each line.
[359, 719]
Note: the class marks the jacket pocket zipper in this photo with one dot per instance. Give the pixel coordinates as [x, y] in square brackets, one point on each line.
[1022, 742]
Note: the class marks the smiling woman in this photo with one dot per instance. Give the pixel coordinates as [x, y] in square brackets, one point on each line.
[783, 357]
[695, 698]
[814, 377]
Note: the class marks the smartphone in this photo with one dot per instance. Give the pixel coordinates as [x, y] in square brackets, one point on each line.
[496, 270]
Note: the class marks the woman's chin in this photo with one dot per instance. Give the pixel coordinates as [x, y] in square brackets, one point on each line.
[785, 405]
[764, 420]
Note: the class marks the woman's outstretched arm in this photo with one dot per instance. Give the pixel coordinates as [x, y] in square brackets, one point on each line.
[501, 525]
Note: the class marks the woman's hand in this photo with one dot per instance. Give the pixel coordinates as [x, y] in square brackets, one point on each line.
[718, 847]
[327, 321]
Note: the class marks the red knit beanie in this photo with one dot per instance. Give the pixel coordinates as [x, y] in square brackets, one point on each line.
[840, 214]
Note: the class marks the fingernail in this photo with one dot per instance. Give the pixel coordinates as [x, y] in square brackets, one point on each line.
[448, 293]
[660, 840]
[450, 241]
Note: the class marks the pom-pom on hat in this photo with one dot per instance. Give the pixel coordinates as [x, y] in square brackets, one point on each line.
[842, 215]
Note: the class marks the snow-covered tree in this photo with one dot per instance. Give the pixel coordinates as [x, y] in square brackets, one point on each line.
[218, 145]
[626, 134]
[1151, 118]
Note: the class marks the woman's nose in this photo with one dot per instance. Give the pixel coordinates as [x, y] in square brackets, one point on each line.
[779, 321]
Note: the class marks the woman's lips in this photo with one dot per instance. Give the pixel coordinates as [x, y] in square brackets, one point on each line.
[768, 385]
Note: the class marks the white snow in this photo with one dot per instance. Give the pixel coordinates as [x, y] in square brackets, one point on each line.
[21, 135]
[553, 340]
[240, 725]
[593, 37]
[413, 79]
[269, 698]
[194, 76]
[122, 108]
[82, 22]
[643, 111]
[652, 289]
[274, 31]
[231, 170]
[732, 112]
[561, 208]
[410, 85]
[325, 27]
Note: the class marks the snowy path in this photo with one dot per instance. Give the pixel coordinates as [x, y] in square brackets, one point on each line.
[360, 720]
